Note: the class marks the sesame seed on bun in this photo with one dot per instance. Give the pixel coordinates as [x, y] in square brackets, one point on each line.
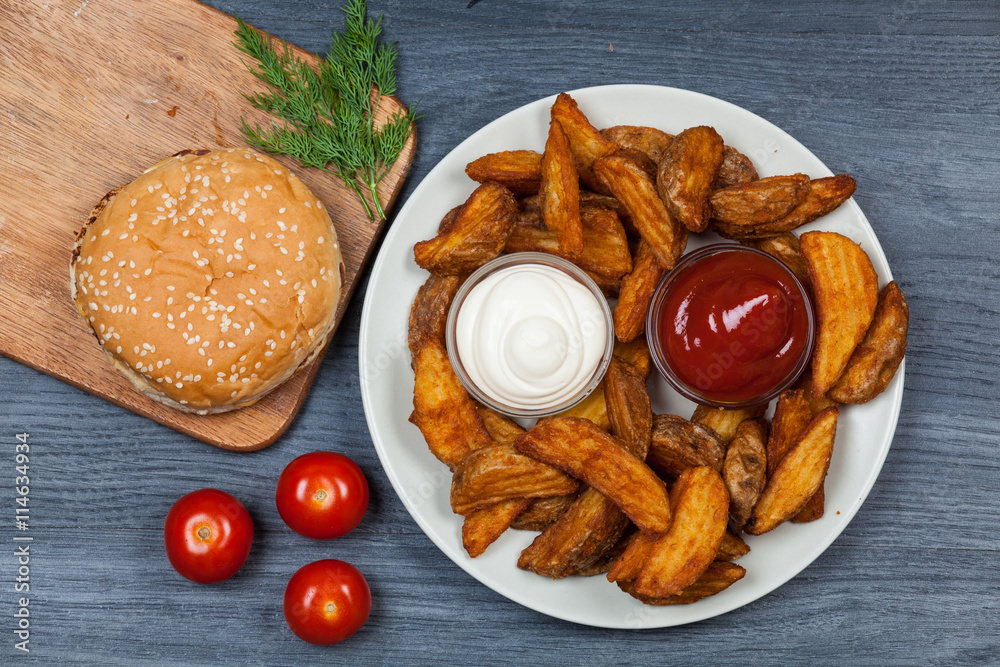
[210, 279]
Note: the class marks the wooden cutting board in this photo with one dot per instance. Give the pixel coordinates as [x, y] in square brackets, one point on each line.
[92, 93]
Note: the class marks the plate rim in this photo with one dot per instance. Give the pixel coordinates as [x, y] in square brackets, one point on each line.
[458, 556]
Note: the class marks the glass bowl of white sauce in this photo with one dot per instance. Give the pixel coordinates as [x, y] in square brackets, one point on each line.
[529, 334]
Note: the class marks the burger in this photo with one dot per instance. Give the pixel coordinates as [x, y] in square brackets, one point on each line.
[210, 279]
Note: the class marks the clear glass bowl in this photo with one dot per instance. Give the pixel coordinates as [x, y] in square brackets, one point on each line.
[521, 259]
[662, 361]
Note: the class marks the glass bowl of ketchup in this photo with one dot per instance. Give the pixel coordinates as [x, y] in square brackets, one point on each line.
[730, 326]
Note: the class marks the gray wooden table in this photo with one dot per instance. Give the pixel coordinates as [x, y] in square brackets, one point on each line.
[903, 95]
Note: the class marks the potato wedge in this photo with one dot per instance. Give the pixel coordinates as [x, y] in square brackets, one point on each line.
[845, 287]
[636, 293]
[717, 577]
[477, 235]
[825, 195]
[585, 140]
[593, 456]
[700, 505]
[593, 408]
[678, 444]
[648, 140]
[429, 311]
[759, 202]
[603, 563]
[633, 188]
[498, 473]
[561, 193]
[792, 413]
[744, 470]
[502, 429]
[814, 508]
[543, 512]
[736, 168]
[733, 547]
[605, 249]
[586, 530]
[725, 421]
[629, 564]
[686, 173]
[482, 527]
[785, 247]
[636, 353]
[519, 171]
[442, 410]
[628, 406]
[798, 476]
[875, 360]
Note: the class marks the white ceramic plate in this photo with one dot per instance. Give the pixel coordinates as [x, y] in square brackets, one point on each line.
[864, 432]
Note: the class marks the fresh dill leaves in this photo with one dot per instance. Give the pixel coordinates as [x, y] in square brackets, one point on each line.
[329, 112]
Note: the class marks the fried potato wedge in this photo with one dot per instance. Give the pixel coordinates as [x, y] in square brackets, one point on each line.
[825, 195]
[482, 527]
[628, 404]
[543, 512]
[585, 140]
[429, 311]
[629, 564]
[593, 456]
[798, 476]
[594, 408]
[647, 140]
[636, 293]
[733, 547]
[633, 188]
[717, 577]
[678, 444]
[586, 530]
[561, 192]
[636, 353]
[686, 173]
[519, 171]
[792, 413]
[442, 410]
[875, 360]
[604, 252]
[725, 421]
[745, 470]
[700, 505]
[498, 473]
[477, 235]
[845, 288]
[814, 508]
[601, 564]
[502, 430]
[785, 247]
[736, 168]
[759, 202]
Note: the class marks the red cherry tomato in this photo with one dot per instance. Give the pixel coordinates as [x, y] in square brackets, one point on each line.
[322, 495]
[207, 535]
[327, 601]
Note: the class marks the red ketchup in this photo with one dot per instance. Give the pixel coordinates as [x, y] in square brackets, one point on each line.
[732, 325]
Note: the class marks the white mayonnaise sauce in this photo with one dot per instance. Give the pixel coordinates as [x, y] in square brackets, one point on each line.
[530, 336]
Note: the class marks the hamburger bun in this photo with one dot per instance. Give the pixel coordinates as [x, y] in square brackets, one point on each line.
[210, 279]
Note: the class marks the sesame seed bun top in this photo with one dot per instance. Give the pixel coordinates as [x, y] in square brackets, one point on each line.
[210, 279]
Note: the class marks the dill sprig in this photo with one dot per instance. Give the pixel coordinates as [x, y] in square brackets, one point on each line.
[328, 113]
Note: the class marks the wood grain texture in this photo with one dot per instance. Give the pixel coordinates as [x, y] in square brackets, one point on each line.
[86, 115]
[908, 107]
